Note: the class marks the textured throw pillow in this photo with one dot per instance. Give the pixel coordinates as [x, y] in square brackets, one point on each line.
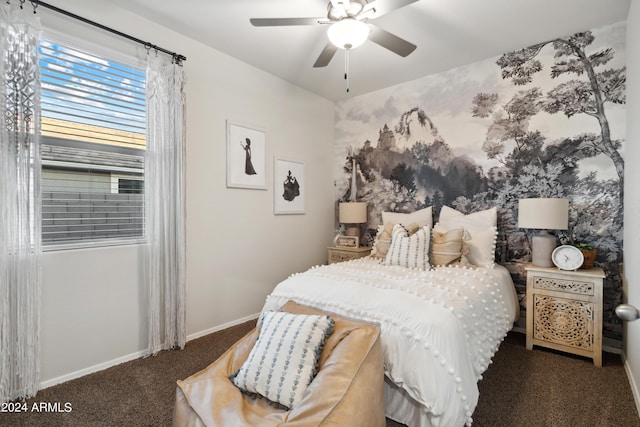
[421, 217]
[482, 231]
[447, 247]
[411, 251]
[383, 238]
[382, 241]
[482, 247]
[284, 359]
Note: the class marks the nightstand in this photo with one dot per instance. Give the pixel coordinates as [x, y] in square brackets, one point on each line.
[564, 310]
[338, 254]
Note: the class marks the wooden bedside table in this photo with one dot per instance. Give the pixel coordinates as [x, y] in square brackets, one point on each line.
[564, 310]
[338, 254]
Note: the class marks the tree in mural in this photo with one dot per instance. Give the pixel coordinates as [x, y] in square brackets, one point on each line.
[403, 175]
[529, 168]
[576, 96]
[511, 124]
[534, 167]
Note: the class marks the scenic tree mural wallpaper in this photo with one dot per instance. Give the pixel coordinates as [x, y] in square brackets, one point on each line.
[543, 121]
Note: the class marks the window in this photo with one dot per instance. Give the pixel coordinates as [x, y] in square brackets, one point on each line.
[93, 144]
[127, 184]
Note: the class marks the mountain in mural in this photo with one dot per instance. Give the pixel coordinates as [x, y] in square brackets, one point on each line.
[411, 166]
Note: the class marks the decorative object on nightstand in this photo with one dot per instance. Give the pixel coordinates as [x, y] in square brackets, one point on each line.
[589, 253]
[346, 241]
[564, 310]
[567, 257]
[543, 214]
[339, 254]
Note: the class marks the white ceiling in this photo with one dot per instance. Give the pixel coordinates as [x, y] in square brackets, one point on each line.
[448, 33]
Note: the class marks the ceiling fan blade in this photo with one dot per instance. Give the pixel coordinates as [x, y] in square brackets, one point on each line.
[377, 8]
[280, 22]
[325, 56]
[390, 41]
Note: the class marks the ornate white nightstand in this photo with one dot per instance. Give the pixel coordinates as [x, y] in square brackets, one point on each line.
[564, 310]
[338, 254]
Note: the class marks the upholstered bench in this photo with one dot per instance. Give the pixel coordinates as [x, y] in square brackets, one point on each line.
[347, 390]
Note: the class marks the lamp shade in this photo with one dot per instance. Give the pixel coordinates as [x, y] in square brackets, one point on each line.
[348, 33]
[543, 213]
[353, 212]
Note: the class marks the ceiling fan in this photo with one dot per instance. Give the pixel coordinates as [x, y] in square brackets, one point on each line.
[350, 26]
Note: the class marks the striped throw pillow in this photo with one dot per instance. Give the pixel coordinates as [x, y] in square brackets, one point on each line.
[411, 251]
[284, 359]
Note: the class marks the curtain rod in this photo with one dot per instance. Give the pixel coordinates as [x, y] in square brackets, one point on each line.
[177, 57]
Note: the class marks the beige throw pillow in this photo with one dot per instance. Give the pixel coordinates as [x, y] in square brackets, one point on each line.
[446, 247]
[480, 228]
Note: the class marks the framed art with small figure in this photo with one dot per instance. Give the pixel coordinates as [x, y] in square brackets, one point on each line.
[288, 187]
[246, 156]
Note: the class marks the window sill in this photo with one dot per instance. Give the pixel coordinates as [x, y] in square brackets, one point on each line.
[92, 245]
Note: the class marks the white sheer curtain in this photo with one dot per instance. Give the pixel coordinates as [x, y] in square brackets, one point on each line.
[19, 203]
[165, 204]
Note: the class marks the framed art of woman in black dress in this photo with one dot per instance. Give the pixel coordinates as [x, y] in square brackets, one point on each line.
[248, 166]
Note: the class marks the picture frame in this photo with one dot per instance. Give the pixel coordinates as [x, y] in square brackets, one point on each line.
[246, 156]
[289, 190]
[347, 241]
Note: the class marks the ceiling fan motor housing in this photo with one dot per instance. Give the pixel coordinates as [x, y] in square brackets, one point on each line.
[340, 9]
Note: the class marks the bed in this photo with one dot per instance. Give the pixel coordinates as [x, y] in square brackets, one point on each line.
[442, 306]
[440, 326]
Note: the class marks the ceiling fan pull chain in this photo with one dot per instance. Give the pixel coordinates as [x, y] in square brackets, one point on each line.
[346, 67]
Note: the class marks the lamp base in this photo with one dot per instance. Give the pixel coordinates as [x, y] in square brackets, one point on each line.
[542, 245]
[352, 230]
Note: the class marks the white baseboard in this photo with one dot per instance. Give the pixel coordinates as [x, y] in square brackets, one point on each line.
[102, 366]
[91, 370]
[221, 327]
[632, 382]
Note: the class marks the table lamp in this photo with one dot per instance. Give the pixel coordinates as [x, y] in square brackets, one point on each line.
[543, 214]
[352, 214]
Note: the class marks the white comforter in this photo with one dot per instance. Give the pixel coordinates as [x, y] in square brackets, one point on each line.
[439, 328]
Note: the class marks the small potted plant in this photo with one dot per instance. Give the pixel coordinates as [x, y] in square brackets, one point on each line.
[589, 251]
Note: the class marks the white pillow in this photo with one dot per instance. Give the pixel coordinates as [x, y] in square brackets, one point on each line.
[482, 230]
[409, 251]
[422, 217]
[284, 359]
[482, 219]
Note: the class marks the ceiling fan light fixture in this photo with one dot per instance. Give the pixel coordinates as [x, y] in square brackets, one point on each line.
[348, 33]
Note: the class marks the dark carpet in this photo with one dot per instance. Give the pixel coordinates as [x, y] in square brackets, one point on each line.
[521, 388]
